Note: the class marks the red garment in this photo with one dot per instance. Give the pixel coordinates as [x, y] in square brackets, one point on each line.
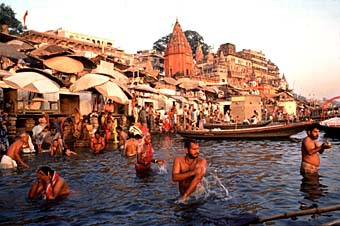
[145, 162]
[142, 168]
[50, 186]
[144, 129]
[166, 125]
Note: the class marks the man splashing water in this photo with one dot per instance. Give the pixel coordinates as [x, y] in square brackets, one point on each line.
[188, 170]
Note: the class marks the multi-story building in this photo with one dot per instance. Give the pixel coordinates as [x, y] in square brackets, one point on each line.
[273, 73]
[82, 37]
[155, 58]
[259, 63]
[82, 46]
[178, 59]
[239, 70]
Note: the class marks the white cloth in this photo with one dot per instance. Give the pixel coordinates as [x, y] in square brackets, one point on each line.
[30, 148]
[7, 162]
[37, 129]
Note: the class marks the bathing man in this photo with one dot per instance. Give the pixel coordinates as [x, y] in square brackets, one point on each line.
[48, 184]
[13, 153]
[310, 149]
[188, 170]
[97, 143]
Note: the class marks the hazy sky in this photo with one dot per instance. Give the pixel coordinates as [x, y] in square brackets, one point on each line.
[301, 36]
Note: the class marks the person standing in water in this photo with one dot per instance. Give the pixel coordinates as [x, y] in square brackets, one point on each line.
[310, 149]
[122, 137]
[13, 153]
[188, 170]
[49, 184]
[145, 155]
[97, 143]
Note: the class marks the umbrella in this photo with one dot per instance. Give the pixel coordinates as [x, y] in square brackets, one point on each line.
[144, 88]
[4, 85]
[88, 64]
[88, 81]
[170, 81]
[189, 85]
[111, 90]
[64, 64]
[32, 82]
[4, 73]
[48, 50]
[42, 72]
[182, 80]
[114, 74]
[11, 52]
[20, 45]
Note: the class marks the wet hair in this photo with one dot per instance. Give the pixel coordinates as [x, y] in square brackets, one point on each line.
[119, 128]
[138, 136]
[46, 170]
[188, 142]
[312, 126]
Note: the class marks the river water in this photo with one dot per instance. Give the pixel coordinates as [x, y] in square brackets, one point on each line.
[244, 178]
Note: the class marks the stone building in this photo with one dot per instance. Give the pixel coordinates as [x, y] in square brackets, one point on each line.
[243, 107]
[152, 57]
[178, 59]
[259, 63]
[82, 37]
[83, 47]
[239, 69]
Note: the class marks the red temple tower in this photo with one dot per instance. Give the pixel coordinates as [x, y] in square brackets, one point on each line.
[178, 57]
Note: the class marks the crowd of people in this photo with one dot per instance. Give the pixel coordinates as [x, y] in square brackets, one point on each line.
[133, 137]
[188, 170]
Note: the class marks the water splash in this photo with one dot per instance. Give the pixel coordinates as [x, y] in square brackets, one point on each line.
[210, 187]
[222, 186]
[162, 169]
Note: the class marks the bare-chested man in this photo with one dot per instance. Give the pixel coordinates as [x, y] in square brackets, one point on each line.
[188, 170]
[13, 153]
[310, 149]
[131, 145]
[97, 143]
[122, 137]
[48, 184]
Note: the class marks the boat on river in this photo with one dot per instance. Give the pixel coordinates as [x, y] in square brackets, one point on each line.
[272, 131]
[331, 127]
[236, 125]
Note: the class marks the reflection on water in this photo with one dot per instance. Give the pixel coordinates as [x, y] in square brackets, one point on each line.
[244, 179]
[312, 187]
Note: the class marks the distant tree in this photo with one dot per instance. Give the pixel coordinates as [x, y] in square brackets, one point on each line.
[7, 16]
[193, 38]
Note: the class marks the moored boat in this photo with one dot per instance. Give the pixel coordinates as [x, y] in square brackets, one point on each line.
[274, 131]
[331, 127]
[236, 125]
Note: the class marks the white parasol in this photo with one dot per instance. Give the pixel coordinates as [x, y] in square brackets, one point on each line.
[32, 82]
[111, 90]
[88, 81]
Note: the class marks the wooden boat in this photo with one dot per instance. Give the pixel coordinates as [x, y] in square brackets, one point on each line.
[331, 127]
[236, 126]
[274, 131]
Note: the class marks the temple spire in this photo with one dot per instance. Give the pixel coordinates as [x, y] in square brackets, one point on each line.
[178, 59]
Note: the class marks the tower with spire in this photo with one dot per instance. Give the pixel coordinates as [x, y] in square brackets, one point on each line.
[178, 59]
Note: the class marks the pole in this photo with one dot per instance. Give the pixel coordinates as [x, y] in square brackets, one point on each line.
[298, 213]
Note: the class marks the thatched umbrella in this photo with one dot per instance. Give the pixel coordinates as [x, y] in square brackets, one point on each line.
[64, 64]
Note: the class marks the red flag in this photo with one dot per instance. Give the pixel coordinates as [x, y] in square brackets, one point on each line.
[25, 15]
